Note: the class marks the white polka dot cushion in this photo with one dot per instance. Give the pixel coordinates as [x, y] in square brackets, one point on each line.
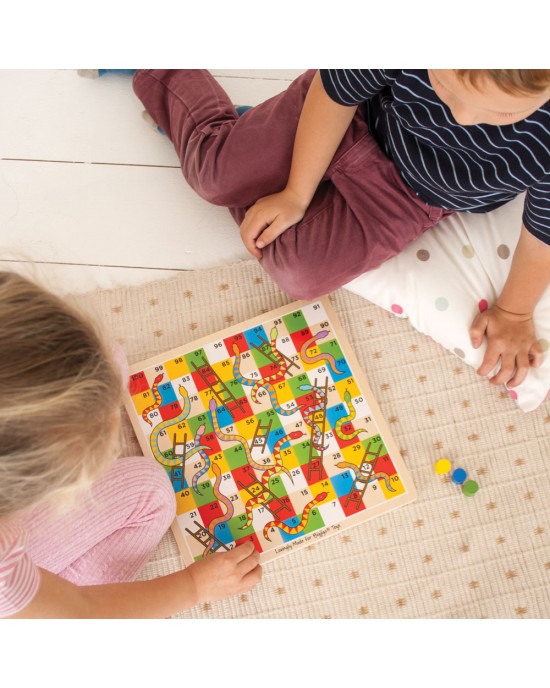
[448, 275]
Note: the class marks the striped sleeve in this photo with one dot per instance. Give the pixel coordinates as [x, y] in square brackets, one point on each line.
[19, 577]
[536, 214]
[353, 86]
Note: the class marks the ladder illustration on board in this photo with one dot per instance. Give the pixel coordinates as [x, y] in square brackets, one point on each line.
[219, 389]
[362, 478]
[319, 418]
[255, 488]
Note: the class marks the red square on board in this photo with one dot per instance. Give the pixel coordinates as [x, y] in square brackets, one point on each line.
[209, 512]
[170, 410]
[137, 383]
[281, 508]
[384, 465]
[244, 476]
[314, 471]
[237, 340]
[239, 409]
[204, 377]
[301, 336]
[349, 503]
[250, 538]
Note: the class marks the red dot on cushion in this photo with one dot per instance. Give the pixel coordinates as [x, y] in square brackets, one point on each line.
[396, 308]
[482, 305]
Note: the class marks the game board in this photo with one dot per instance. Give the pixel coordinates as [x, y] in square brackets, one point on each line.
[269, 432]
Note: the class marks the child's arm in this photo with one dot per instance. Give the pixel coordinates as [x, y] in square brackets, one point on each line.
[321, 127]
[211, 578]
[509, 323]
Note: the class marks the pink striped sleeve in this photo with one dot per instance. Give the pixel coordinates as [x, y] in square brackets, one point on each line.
[19, 577]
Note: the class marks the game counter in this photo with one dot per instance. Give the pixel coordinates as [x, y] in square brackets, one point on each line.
[269, 432]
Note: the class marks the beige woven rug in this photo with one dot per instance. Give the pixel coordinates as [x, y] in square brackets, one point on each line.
[444, 556]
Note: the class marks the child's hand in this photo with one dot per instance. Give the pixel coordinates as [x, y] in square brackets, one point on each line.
[226, 573]
[510, 338]
[269, 217]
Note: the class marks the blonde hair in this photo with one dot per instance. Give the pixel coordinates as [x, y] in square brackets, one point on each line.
[60, 397]
[515, 82]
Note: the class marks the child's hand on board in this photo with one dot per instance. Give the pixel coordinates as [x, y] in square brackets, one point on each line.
[268, 218]
[226, 573]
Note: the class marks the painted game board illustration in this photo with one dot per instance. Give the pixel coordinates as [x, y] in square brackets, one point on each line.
[269, 432]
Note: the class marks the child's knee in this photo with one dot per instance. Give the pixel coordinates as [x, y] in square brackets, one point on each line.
[299, 279]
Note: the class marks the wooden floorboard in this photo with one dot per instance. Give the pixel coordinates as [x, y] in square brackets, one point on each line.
[92, 194]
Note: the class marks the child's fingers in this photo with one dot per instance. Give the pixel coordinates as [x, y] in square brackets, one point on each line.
[251, 579]
[272, 231]
[242, 552]
[522, 363]
[490, 360]
[477, 330]
[249, 563]
[250, 230]
[506, 371]
[536, 355]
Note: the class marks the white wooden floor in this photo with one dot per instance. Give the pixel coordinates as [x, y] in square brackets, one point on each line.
[91, 196]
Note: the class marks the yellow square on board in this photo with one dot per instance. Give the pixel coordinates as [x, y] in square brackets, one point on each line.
[323, 486]
[396, 484]
[142, 400]
[185, 501]
[224, 369]
[176, 367]
[348, 385]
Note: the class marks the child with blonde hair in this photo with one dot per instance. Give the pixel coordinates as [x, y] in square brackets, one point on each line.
[348, 166]
[76, 522]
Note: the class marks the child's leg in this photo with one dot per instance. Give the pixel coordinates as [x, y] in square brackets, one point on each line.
[361, 215]
[227, 160]
[108, 536]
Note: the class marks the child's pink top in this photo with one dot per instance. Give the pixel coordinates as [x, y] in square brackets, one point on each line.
[19, 577]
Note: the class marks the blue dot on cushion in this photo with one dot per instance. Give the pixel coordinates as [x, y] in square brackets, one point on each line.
[441, 303]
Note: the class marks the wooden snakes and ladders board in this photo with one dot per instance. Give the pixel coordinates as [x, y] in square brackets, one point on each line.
[269, 432]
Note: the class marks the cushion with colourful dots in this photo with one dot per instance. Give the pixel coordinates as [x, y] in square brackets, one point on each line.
[449, 274]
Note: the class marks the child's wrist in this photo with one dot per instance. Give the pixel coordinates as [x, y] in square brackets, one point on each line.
[515, 314]
[300, 196]
[191, 587]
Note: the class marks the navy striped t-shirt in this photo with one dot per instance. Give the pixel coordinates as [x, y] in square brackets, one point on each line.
[468, 168]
